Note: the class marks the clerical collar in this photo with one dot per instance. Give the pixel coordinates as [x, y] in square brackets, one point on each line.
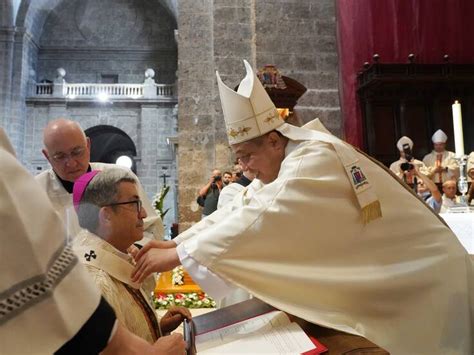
[68, 186]
[244, 181]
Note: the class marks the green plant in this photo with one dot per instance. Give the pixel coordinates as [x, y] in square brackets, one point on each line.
[159, 200]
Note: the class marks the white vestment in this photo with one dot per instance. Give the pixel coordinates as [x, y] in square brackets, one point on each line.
[45, 294]
[228, 193]
[403, 280]
[447, 203]
[62, 202]
[451, 168]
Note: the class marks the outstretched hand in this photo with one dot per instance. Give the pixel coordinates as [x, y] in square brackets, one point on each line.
[154, 260]
[161, 244]
[173, 318]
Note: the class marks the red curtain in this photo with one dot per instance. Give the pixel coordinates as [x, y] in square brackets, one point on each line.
[393, 29]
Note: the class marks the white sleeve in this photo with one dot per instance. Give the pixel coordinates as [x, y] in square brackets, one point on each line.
[212, 284]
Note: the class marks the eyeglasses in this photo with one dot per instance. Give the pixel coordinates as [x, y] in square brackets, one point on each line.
[137, 202]
[76, 153]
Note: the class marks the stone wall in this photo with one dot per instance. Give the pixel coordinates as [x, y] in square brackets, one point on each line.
[123, 38]
[147, 124]
[298, 36]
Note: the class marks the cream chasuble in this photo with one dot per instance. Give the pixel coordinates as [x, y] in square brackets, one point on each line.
[446, 160]
[299, 243]
[41, 282]
[110, 270]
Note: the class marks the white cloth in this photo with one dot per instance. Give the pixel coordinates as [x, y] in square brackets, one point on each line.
[237, 295]
[447, 203]
[212, 284]
[45, 294]
[451, 168]
[62, 202]
[228, 193]
[299, 244]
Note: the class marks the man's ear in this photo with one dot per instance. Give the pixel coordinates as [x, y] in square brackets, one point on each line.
[45, 153]
[275, 140]
[88, 140]
[104, 215]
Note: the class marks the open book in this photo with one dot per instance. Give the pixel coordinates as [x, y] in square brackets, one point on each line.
[251, 327]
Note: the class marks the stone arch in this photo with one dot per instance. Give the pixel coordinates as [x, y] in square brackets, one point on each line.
[108, 143]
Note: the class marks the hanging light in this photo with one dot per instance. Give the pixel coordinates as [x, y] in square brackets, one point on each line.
[124, 160]
[103, 97]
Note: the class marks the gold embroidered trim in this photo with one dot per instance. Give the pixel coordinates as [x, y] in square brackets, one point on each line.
[271, 117]
[242, 131]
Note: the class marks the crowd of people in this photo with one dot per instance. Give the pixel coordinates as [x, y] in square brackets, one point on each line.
[435, 177]
[304, 222]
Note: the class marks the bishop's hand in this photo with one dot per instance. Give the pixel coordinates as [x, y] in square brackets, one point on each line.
[153, 259]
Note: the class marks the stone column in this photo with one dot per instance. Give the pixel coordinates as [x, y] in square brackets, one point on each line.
[25, 52]
[196, 116]
[213, 35]
[7, 36]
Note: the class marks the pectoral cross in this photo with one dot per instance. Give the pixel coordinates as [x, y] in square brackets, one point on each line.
[164, 176]
[92, 255]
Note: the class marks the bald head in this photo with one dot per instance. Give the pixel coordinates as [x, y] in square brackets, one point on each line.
[449, 188]
[57, 129]
[67, 148]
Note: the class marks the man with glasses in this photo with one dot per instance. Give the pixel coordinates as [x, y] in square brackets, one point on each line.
[111, 214]
[67, 149]
[47, 302]
[323, 237]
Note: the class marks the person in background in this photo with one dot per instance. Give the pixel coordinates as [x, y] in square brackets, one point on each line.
[67, 149]
[440, 162]
[226, 178]
[230, 191]
[449, 196]
[428, 190]
[236, 172]
[209, 193]
[49, 304]
[403, 167]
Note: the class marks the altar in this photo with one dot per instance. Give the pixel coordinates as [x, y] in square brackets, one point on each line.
[462, 225]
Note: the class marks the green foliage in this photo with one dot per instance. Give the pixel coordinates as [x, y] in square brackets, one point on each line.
[159, 201]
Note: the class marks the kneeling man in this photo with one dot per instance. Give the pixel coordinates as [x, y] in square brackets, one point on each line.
[111, 213]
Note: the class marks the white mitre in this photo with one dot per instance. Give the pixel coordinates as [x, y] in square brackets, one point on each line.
[249, 112]
[439, 137]
[402, 141]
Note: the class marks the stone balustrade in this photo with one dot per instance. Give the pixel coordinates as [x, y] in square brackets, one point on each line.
[100, 91]
[93, 91]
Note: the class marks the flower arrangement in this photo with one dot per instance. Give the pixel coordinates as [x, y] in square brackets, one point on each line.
[188, 300]
[159, 200]
[177, 276]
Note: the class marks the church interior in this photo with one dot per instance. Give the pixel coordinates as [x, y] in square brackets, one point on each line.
[139, 77]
